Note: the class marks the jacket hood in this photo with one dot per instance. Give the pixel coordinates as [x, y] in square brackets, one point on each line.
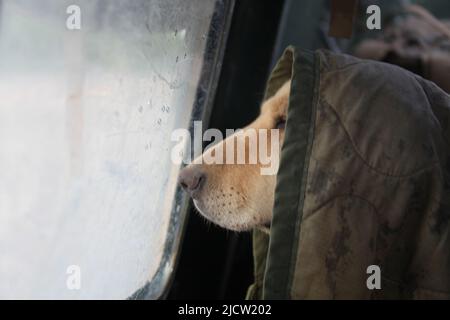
[364, 180]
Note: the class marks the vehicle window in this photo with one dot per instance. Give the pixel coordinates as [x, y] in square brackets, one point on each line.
[90, 94]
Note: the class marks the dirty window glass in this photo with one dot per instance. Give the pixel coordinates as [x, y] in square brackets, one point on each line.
[90, 94]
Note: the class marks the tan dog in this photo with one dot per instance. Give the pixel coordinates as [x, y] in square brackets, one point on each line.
[238, 196]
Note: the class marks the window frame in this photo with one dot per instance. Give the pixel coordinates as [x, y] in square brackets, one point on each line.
[159, 286]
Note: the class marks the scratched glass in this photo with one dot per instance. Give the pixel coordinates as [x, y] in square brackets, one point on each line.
[86, 116]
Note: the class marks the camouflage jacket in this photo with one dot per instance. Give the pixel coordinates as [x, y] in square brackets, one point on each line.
[364, 180]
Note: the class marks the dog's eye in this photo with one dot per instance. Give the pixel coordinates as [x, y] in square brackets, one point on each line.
[280, 124]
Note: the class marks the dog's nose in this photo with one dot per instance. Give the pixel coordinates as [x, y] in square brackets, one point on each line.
[192, 179]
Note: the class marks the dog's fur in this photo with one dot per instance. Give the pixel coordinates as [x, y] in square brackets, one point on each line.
[237, 196]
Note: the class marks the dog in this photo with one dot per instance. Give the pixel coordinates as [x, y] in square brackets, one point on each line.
[237, 196]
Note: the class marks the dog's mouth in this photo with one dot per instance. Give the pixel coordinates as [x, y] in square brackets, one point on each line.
[220, 214]
[217, 213]
[228, 215]
[233, 206]
[217, 219]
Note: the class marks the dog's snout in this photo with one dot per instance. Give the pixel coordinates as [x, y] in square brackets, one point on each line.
[192, 179]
